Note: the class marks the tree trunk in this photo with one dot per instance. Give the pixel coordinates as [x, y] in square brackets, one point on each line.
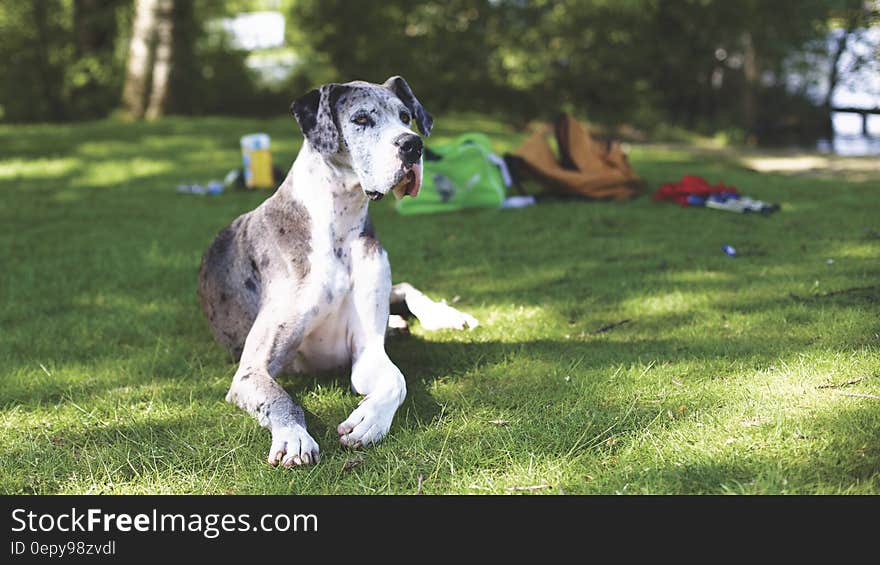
[834, 78]
[140, 55]
[94, 35]
[164, 60]
[94, 25]
[181, 95]
[52, 82]
[751, 75]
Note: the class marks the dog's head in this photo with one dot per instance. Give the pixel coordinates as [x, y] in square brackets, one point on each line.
[367, 126]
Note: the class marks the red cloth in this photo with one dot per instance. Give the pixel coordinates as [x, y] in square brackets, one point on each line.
[689, 185]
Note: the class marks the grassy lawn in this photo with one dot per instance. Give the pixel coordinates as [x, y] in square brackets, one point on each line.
[753, 374]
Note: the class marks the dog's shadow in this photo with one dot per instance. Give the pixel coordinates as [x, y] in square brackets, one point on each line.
[420, 360]
[423, 362]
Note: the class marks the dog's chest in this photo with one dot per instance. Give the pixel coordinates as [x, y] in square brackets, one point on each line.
[326, 343]
[333, 278]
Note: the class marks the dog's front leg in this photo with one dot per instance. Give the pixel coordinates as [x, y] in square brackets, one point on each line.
[255, 390]
[372, 373]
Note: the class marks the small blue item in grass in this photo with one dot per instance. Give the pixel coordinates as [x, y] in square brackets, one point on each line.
[728, 250]
[212, 189]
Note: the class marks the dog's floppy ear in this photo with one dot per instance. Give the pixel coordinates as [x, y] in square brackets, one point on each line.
[401, 89]
[316, 114]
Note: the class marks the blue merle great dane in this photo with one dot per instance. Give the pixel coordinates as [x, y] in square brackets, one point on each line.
[302, 284]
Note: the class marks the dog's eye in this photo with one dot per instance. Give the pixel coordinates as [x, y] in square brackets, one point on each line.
[404, 117]
[362, 121]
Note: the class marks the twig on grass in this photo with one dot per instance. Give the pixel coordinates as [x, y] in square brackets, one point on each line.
[857, 395]
[419, 488]
[351, 464]
[530, 488]
[611, 326]
[834, 293]
[847, 383]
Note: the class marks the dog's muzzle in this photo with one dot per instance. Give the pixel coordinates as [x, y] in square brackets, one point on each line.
[411, 182]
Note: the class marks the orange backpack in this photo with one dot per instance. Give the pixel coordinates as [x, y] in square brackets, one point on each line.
[585, 167]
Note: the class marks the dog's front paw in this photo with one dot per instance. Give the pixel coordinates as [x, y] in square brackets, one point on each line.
[440, 316]
[292, 445]
[369, 422]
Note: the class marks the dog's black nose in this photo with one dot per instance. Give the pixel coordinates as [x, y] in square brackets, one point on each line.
[410, 147]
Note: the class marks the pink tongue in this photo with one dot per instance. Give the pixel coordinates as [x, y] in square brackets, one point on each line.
[417, 183]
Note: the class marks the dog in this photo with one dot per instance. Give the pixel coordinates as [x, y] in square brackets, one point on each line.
[301, 283]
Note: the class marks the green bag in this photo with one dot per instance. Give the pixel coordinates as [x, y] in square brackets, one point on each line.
[463, 173]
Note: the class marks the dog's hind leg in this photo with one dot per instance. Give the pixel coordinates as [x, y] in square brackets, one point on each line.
[275, 334]
[432, 315]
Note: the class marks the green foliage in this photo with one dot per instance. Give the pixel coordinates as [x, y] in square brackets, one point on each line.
[49, 72]
[707, 65]
[442, 48]
[641, 62]
[33, 51]
[220, 83]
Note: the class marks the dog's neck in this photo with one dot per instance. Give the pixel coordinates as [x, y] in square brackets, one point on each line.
[333, 197]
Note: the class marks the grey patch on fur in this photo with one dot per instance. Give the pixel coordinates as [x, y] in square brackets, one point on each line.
[316, 114]
[230, 281]
[297, 237]
[370, 241]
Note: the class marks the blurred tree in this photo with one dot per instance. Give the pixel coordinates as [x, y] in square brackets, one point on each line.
[92, 74]
[161, 56]
[703, 64]
[854, 18]
[184, 36]
[707, 65]
[442, 48]
[140, 55]
[33, 44]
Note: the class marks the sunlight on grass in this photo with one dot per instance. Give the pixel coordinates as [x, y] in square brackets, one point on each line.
[117, 173]
[110, 302]
[697, 277]
[42, 168]
[676, 302]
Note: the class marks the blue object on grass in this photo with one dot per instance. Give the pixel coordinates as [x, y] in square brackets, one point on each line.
[728, 250]
[211, 189]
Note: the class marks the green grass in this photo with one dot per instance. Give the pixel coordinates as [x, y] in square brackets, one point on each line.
[112, 383]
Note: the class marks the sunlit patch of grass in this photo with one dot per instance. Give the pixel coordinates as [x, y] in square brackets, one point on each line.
[41, 167]
[118, 172]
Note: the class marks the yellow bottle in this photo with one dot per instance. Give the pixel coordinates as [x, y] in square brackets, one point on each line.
[257, 159]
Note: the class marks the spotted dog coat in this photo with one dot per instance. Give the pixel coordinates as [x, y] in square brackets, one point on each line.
[302, 283]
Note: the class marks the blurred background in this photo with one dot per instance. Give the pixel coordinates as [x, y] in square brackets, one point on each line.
[749, 71]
